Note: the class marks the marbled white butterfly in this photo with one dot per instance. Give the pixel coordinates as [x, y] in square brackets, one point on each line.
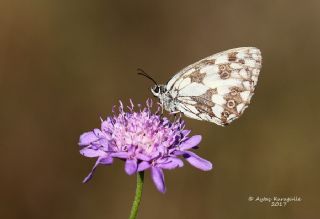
[216, 89]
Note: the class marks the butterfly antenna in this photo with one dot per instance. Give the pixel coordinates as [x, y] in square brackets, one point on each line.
[143, 73]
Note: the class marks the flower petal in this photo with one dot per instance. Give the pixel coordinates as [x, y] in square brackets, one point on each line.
[142, 166]
[98, 133]
[105, 124]
[131, 166]
[102, 160]
[87, 152]
[197, 161]
[185, 132]
[122, 155]
[86, 138]
[92, 171]
[106, 160]
[190, 142]
[171, 164]
[158, 178]
[154, 154]
[143, 157]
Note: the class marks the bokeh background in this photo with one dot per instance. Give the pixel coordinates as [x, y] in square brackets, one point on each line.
[63, 64]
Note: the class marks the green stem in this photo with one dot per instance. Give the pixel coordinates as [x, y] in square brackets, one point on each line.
[137, 198]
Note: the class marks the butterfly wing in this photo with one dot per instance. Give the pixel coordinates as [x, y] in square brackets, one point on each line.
[217, 88]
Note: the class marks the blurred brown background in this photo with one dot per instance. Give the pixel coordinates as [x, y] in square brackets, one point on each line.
[65, 63]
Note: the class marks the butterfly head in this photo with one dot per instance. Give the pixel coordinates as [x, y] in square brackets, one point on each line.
[158, 89]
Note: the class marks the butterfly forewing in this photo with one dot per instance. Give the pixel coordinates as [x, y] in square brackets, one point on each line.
[218, 88]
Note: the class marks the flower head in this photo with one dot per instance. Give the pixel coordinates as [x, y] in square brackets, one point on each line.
[144, 140]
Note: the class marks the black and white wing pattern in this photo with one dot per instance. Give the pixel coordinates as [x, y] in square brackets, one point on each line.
[217, 88]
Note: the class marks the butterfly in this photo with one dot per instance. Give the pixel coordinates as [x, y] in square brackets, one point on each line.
[216, 89]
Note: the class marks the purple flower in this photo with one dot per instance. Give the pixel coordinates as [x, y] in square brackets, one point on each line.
[144, 140]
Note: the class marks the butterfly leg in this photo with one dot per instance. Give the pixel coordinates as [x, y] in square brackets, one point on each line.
[175, 114]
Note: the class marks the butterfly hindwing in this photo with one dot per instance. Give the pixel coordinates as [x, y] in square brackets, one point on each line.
[218, 88]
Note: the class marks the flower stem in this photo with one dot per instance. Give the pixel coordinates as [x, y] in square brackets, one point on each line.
[137, 198]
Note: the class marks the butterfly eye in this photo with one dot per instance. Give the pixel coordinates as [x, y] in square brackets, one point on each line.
[157, 89]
